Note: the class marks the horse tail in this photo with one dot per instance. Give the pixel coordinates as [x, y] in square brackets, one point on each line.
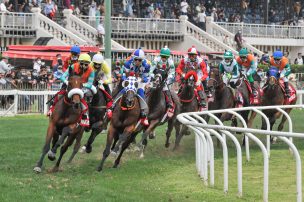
[191, 73]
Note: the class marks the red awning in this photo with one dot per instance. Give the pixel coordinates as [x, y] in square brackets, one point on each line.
[51, 48]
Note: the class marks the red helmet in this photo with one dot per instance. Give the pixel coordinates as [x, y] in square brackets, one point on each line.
[192, 51]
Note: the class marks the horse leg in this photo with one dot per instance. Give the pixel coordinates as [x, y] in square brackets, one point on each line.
[65, 133]
[88, 146]
[54, 141]
[150, 129]
[177, 132]
[116, 137]
[77, 145]
[63, 149]
[168, 132]
[179, 137]
[124, 147]
[50, 133]
[111, 133]
[123, 137]
[251, 119]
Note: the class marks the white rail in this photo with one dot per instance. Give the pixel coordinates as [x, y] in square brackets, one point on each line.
[195, 121]
[265, 31]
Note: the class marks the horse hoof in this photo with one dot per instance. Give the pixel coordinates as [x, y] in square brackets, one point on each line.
[167, 145]
[83, 149]
[37, 170]
[51, 156]
[152, 136]
[141, 156]
[88, 149]
[113, 153]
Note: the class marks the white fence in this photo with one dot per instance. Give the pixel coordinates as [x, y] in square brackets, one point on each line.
[205, 150]
[265, 31]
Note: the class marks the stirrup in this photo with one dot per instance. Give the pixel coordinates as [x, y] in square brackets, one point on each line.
[170, 112]
[144, 121]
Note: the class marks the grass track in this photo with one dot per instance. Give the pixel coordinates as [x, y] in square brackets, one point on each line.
[161, 176]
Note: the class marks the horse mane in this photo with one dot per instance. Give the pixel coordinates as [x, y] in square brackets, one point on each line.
[191, 73]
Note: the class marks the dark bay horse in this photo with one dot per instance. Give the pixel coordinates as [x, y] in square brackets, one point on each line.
[275, 95]
[97, 109]
[156, 101]
[123, 126]
[221, 96]
[64, 122]
[189, 103]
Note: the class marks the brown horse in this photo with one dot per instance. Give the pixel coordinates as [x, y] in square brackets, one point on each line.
[189, 103]
[64, 122]
[156, 101]
[221, 96]
[274, 95]
[123, 126]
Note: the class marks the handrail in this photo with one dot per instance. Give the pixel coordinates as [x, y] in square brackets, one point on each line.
[58, 31]
[221, 32]
[265, 31]
[207, 39]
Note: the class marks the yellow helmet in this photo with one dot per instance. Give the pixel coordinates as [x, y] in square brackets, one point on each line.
[84, 57]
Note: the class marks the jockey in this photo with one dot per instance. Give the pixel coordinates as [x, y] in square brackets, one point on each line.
[103, 78]
[193, 62]
[166, 63]
[73, 58]
[229, 68]
[83, 69]
[248, 65]
[141, 67]
[281, 62]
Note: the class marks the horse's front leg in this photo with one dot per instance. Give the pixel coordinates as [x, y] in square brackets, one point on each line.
[50, 133]
[150, 129]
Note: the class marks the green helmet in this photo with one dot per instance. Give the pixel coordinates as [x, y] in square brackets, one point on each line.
[228, 55]
[243, 52]
[165, 52]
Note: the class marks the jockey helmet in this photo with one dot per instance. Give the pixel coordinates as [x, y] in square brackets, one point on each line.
[75, 49]
[243, 52]
[228, 56]
[139, 54]
[165, 52]
[84, 57]
[97, 58]
[278, 55]
[192, 51]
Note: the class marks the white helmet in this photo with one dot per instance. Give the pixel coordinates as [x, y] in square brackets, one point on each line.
[98, 58]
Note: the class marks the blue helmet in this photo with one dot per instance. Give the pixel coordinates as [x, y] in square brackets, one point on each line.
[75, 49]
[278, 55]
[139, 54]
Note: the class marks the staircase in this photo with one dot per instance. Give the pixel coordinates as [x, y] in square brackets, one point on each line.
[220, 33]
[85, 31]
[48, 28]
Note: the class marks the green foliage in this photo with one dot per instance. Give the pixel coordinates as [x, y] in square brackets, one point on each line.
[162, 175]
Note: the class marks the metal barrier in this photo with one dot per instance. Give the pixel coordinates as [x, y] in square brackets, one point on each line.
[265, 31]
[204, 144]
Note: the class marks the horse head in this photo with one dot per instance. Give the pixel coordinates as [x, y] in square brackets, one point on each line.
[191, 78]
[75, 94]
[214, 81]
[273, 76]
[130, 85]
[158, 79]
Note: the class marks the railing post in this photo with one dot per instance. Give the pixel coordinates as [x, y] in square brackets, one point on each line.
[183, 27]
[209, 25]
[16, 103]
[36, 11]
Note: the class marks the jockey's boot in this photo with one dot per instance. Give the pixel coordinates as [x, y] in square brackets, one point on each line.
[169, 103]
[202, 101]
[254, 90]
[287, 91]
[143, 118]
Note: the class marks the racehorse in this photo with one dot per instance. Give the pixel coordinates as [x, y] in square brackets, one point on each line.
[189, 103]
[156, 100]
[274, 94]
[220, 96]
[123, 126]
[64, 122]
[97, 109]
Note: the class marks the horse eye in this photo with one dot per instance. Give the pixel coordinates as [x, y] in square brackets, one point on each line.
[125, 83]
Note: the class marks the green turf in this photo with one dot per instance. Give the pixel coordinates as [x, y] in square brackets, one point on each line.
[162, 175]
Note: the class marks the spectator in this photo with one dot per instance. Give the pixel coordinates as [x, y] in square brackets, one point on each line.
[3, 6]
[2, 78]
[157, 13]
[202, 20]
[244, 6]
[150, 11]
[92, 14]
[49, 9]
[101, 32]
[299, 59]
[184, 7]
[57, 74]
[37, 64]
[214, 15]
[4, 66]
[297, 9]
[130, 8]
[239, 40]
[58, 62]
